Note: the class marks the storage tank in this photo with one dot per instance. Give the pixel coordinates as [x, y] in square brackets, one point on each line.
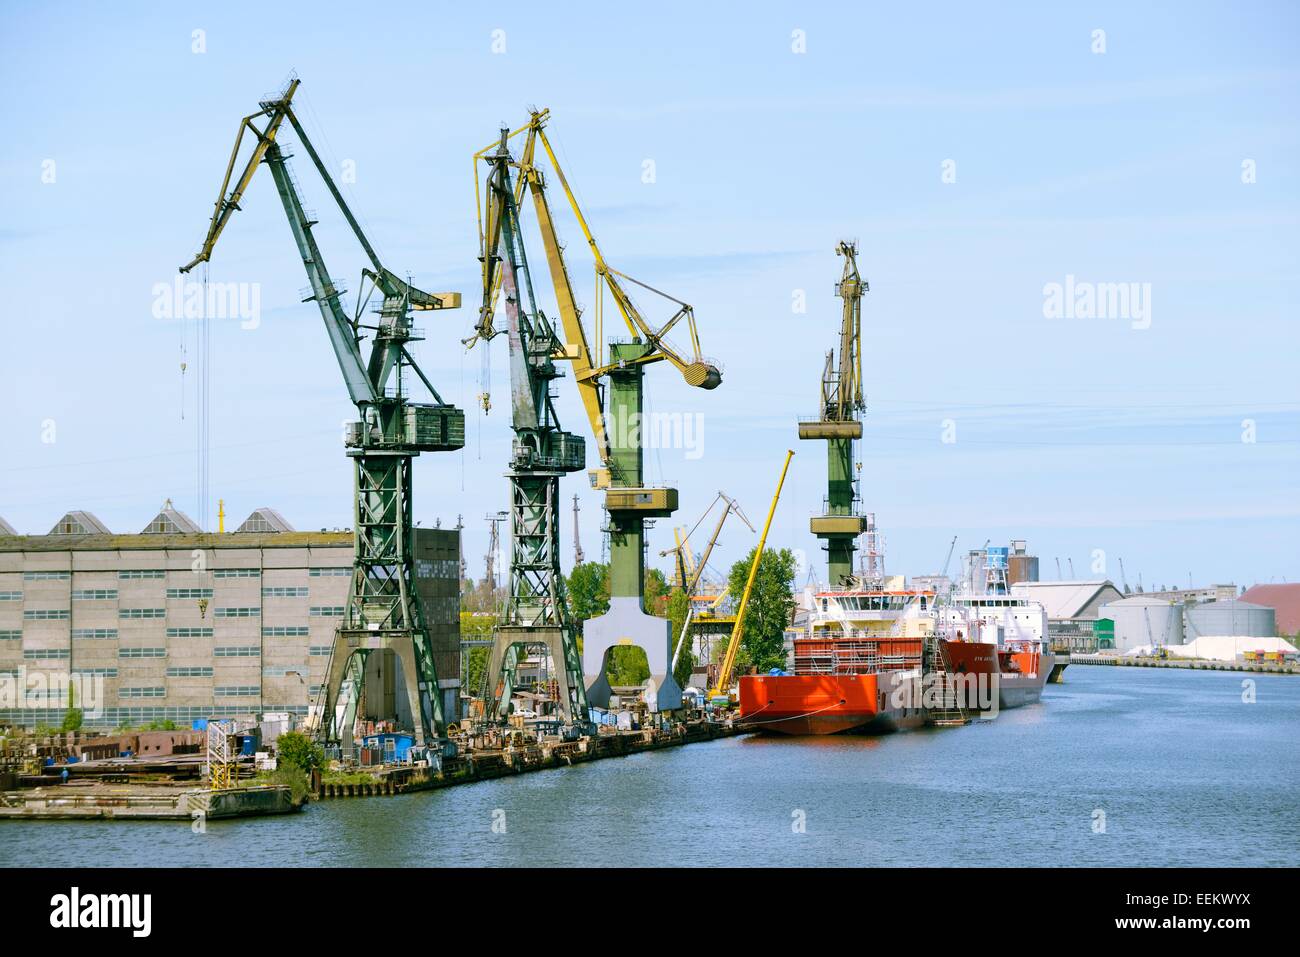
[1141, 621]
[1233, 617]
[1021, 566]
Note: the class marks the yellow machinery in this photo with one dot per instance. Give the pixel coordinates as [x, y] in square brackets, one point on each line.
[590, 369]
[697, 568]
[683, 558]
[720, 694]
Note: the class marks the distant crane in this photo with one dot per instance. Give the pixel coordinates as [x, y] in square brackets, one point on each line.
[948, 561]
[683, 557]
[1071, 561]
[731, 506]
[494, 520]
[578, 557]
[1123, 579]
[460, 545]
[383, 610]
[839, 424]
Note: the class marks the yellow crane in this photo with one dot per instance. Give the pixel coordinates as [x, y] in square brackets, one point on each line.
[611, 389]
[684, 560]
[720, 694]
[591, 367]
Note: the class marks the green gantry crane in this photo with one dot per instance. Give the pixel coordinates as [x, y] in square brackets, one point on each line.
[616, 419]
[839, 424]
[383, 610]
[536, 610]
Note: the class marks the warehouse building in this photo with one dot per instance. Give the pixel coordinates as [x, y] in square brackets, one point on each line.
[174, 624]
[1189, 596]
[1284, 599]
[1073, 609]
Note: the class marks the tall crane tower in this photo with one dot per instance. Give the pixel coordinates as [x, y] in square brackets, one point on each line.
[383, 611]
[612, 392]
[839, 425]
[536, 612]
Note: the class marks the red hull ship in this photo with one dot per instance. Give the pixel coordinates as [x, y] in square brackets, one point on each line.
[848, 668]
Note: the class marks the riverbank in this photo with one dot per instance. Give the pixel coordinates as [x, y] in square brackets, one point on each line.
[99, 801]
[483, 765]
[1194, 664]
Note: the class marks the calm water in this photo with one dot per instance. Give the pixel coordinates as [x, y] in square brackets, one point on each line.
[1184, 771]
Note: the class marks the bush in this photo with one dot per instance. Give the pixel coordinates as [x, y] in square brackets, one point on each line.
[295, 779]
[295, 749]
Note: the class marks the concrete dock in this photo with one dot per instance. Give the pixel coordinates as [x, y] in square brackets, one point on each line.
[481, 765]
[98, 801]
[1195, 664]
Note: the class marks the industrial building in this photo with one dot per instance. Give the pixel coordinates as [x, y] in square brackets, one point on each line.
[180, 624]
[1284, 599]
[1144, 620]
[1190, 595]
[1073, 609]
[1234, 618]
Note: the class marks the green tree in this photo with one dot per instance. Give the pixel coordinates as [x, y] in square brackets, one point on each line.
[678, 604]
[771, 605]
[73, 717]
[476, 627]
[655, 593]
[295, 749]
[587, 592]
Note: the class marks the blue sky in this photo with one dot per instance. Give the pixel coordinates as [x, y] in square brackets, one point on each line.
[1076, 434]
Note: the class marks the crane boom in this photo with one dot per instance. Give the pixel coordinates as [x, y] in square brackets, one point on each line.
[731, 506]
[738, 632]
[536, 611]
[384, 612]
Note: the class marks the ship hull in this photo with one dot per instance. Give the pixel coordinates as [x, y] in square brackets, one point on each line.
[1015, 690]
[1020, 676]
[822, 704]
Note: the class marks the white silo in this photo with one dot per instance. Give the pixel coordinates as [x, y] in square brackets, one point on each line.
[1232, 617]
[1142, 620]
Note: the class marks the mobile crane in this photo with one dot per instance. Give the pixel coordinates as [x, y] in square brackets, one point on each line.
[383, 611]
